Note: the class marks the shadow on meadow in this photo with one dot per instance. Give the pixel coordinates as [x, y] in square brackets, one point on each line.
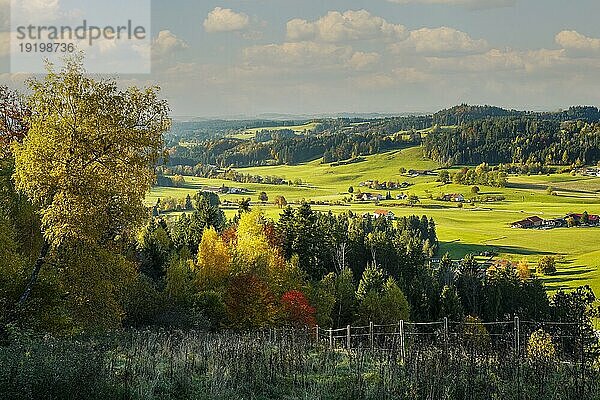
[459, 250]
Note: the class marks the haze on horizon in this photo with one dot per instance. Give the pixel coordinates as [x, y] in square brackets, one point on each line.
[247, 58]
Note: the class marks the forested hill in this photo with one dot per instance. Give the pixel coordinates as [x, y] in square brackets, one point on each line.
[462, 134]
[458, 115]
[464, 113]
[522, 140]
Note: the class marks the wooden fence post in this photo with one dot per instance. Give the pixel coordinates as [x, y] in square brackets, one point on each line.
[317, 333]
[348, 344]
[517, 336]
[446, 331]
[331, 338]
[371, 334]
[402, 349]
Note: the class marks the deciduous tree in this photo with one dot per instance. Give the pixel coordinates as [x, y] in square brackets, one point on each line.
[87, 161]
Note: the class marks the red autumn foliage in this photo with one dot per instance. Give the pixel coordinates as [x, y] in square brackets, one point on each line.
[12, 119]
[274, 237]
[297, 309]
[229, 236]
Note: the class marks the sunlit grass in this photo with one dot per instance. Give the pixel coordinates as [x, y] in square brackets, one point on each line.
[474, 228]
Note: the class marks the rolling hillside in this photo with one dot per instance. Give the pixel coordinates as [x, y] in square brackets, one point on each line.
[471, 229]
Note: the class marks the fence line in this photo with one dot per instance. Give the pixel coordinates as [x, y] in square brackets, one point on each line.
[511, 336]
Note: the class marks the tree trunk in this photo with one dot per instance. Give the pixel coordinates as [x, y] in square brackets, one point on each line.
[36, 271]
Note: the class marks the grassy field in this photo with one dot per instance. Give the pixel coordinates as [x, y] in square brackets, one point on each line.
[282, 364]
[251, 133]
[474, 228]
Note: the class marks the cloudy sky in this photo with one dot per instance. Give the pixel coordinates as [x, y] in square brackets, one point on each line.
[218, 58]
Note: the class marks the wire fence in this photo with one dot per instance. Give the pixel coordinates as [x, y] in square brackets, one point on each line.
[471, 359]
[504, 337]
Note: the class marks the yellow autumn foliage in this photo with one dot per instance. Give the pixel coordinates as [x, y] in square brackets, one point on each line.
[213, 262]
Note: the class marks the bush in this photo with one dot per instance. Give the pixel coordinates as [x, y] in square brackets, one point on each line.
[540, 349]
[546, 266]
[297, 310]
[142, 303]
[211, 306]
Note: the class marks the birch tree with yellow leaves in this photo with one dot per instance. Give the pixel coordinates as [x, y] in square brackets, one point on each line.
[88, 159]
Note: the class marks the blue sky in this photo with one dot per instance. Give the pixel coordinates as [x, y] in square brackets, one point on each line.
[219, 58]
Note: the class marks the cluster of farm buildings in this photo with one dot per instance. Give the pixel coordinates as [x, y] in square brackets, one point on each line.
[454, 197]
[381, 214]
[377, 196]
[224, 190]
[414, 173]
[376, 185]
[590, 171]
[569, 220]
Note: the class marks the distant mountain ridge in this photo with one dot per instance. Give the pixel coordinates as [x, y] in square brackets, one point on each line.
[458, 114]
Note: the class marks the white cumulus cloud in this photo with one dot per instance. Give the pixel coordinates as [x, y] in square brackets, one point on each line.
[225, 20]
[361, 60]
[441, 40]
[496, 60]
[342, 27]
[573, 40]
[166, 43]
[299, 54]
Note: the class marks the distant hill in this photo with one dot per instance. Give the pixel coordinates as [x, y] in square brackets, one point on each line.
[464, 134]
[460, 114]
[464, 113]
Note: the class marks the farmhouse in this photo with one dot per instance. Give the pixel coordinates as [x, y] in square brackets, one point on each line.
[215, 189]
[368, 197]
[454, 197]
[528, 223]
[595, 172]
[234, 190]
[376, 185]
[384, 214]
[555, 223]
[415, 173]
[589, 171]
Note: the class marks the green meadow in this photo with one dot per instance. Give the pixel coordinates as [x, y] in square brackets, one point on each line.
[249, 134]
[471, 229]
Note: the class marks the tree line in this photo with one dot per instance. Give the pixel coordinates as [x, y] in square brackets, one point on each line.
[230, 152]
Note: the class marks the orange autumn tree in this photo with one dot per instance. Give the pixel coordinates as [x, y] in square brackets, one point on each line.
[249, 300]
[259, 274]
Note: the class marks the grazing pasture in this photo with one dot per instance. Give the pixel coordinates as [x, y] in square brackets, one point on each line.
[475, 227]
[251, 133]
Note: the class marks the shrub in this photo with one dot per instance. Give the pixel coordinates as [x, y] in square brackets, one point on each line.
[540, 349]
[296, 309]
[211, 306]
[523, 270]
[546, 265]
[475, 335]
